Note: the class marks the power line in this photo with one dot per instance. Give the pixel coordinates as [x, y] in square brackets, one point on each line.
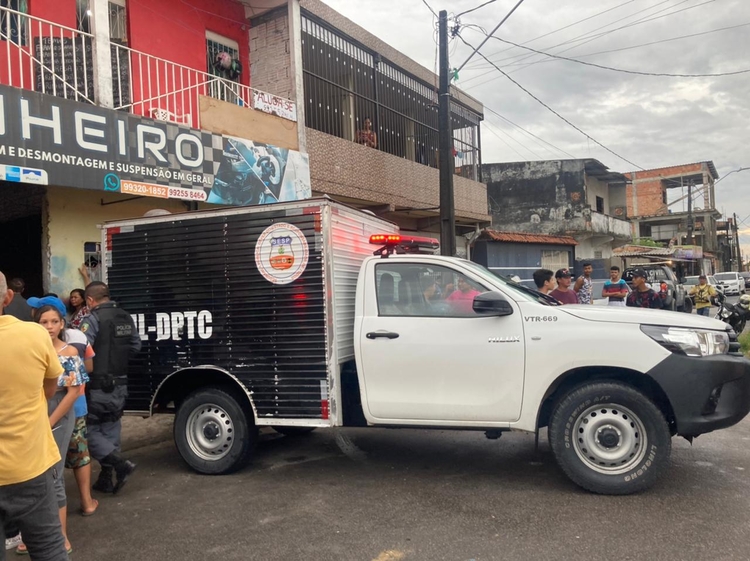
[625, 48]
[565, 27]
[487, 124]
[640, 73]
[502, 21]
[587, 34]
[587, 38]
[474, 9]
[549, 108]
[528, 132]
[429, 8]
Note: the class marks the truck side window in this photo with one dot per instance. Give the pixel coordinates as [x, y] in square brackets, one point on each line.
[417, 290]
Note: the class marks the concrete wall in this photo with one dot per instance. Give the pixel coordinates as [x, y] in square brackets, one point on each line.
[340, 167]
[71, 220]
[270, 60]
[594, 189]
[540, 197]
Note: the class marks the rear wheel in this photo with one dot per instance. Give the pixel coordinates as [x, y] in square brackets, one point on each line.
[687, 307]
[214, 432]
[609, 438]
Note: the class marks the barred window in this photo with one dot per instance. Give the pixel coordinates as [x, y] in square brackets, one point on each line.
[12, 23]
[347, 84]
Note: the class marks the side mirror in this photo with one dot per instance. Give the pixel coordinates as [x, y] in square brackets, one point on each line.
[491, 304]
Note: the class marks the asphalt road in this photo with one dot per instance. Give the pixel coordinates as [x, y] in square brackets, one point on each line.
[391, 495]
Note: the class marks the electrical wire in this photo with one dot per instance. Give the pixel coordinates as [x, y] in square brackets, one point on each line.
[528, 132]
[591, 138]
[430, 8]
[587, 37]
[486, 123]
[475, 8]
[640, 73]
[502, 21]
[565, 27]
[622, 49]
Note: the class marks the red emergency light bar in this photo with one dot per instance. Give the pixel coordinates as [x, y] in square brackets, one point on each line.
[403, 244]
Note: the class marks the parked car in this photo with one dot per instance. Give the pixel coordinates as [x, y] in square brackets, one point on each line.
[732, 282]
[663, 280]
[746, 275]
[690, 282]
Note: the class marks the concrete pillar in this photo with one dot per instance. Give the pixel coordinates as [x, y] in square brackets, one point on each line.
[102, 53]
[295, 70]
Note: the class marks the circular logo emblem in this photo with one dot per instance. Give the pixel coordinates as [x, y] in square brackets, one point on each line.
[281, 253]
[111, 182]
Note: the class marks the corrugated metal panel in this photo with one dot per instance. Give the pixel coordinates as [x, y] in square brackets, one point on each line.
[270, 336]
[350, 236]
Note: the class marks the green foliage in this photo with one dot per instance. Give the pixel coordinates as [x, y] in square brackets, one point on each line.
[648, 242]
[744, 340]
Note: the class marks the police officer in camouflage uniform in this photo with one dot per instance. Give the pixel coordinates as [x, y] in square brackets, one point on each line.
[113, 335]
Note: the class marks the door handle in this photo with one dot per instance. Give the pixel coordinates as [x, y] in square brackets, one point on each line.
[386, 334]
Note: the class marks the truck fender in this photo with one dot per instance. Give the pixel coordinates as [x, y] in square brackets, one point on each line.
[209, 376]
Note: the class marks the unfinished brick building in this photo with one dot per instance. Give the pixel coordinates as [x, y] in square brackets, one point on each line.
[657, 205]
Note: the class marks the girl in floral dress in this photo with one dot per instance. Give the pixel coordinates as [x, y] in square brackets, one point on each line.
[60, 407]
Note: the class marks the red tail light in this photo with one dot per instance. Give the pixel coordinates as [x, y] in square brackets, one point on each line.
[663, 287]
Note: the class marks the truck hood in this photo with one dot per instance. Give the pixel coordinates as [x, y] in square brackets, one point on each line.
[642, 316]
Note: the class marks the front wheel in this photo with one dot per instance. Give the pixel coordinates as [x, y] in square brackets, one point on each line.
[687, 306]
[609, 438]
[214, 432]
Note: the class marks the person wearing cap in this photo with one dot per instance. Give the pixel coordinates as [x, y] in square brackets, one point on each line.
[563, 292]
[702, 293]
[643, 296]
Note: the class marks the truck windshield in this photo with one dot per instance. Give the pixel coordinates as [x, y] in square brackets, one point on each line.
[519, 289]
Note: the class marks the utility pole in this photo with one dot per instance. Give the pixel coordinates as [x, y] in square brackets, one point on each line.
[737, 254]
[445, 144]
[689, 240]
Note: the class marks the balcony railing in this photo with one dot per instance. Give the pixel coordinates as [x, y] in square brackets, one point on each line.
[54, 59]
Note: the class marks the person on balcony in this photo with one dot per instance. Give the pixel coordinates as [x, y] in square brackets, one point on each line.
[366, 135]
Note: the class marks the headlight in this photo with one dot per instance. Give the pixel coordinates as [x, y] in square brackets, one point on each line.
[689, 342]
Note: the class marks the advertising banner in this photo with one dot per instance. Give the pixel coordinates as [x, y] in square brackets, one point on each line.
[46, 140]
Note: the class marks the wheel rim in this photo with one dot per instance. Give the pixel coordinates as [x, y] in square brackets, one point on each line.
[609, 439]
[210, 432]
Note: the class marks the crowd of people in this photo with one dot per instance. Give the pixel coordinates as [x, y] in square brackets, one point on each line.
[560, 286]
[62, 395]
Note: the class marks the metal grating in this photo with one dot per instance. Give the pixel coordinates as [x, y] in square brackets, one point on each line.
[271, 337]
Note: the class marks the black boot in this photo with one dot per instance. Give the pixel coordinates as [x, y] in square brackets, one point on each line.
[123, 470]
[104, 483]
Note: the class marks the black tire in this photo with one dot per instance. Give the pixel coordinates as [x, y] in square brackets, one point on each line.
[293, 431]
[215, 432]
[688, 306]
[644, 437]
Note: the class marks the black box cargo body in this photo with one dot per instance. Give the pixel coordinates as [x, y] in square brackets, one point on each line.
[258, 298]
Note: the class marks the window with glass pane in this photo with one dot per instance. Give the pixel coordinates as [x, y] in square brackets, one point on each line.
[417, 290]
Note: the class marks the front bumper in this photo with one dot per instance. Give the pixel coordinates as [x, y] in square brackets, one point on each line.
[707, 393]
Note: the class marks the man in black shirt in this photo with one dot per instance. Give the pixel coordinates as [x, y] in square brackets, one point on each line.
[643, 296]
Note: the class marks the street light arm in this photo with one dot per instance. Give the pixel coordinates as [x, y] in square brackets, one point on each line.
[730, 173]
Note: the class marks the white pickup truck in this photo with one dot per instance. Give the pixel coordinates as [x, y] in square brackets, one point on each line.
[282, 316]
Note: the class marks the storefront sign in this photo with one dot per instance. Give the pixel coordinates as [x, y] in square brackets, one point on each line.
[688, 252]
[46, 140]
[274, 105]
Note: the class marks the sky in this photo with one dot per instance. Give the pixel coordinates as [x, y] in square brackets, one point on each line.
[650, 121]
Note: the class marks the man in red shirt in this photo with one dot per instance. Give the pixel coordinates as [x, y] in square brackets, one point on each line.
[563, 292]
[462, 300]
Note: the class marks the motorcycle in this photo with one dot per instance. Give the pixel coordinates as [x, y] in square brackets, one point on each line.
[735, 315]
